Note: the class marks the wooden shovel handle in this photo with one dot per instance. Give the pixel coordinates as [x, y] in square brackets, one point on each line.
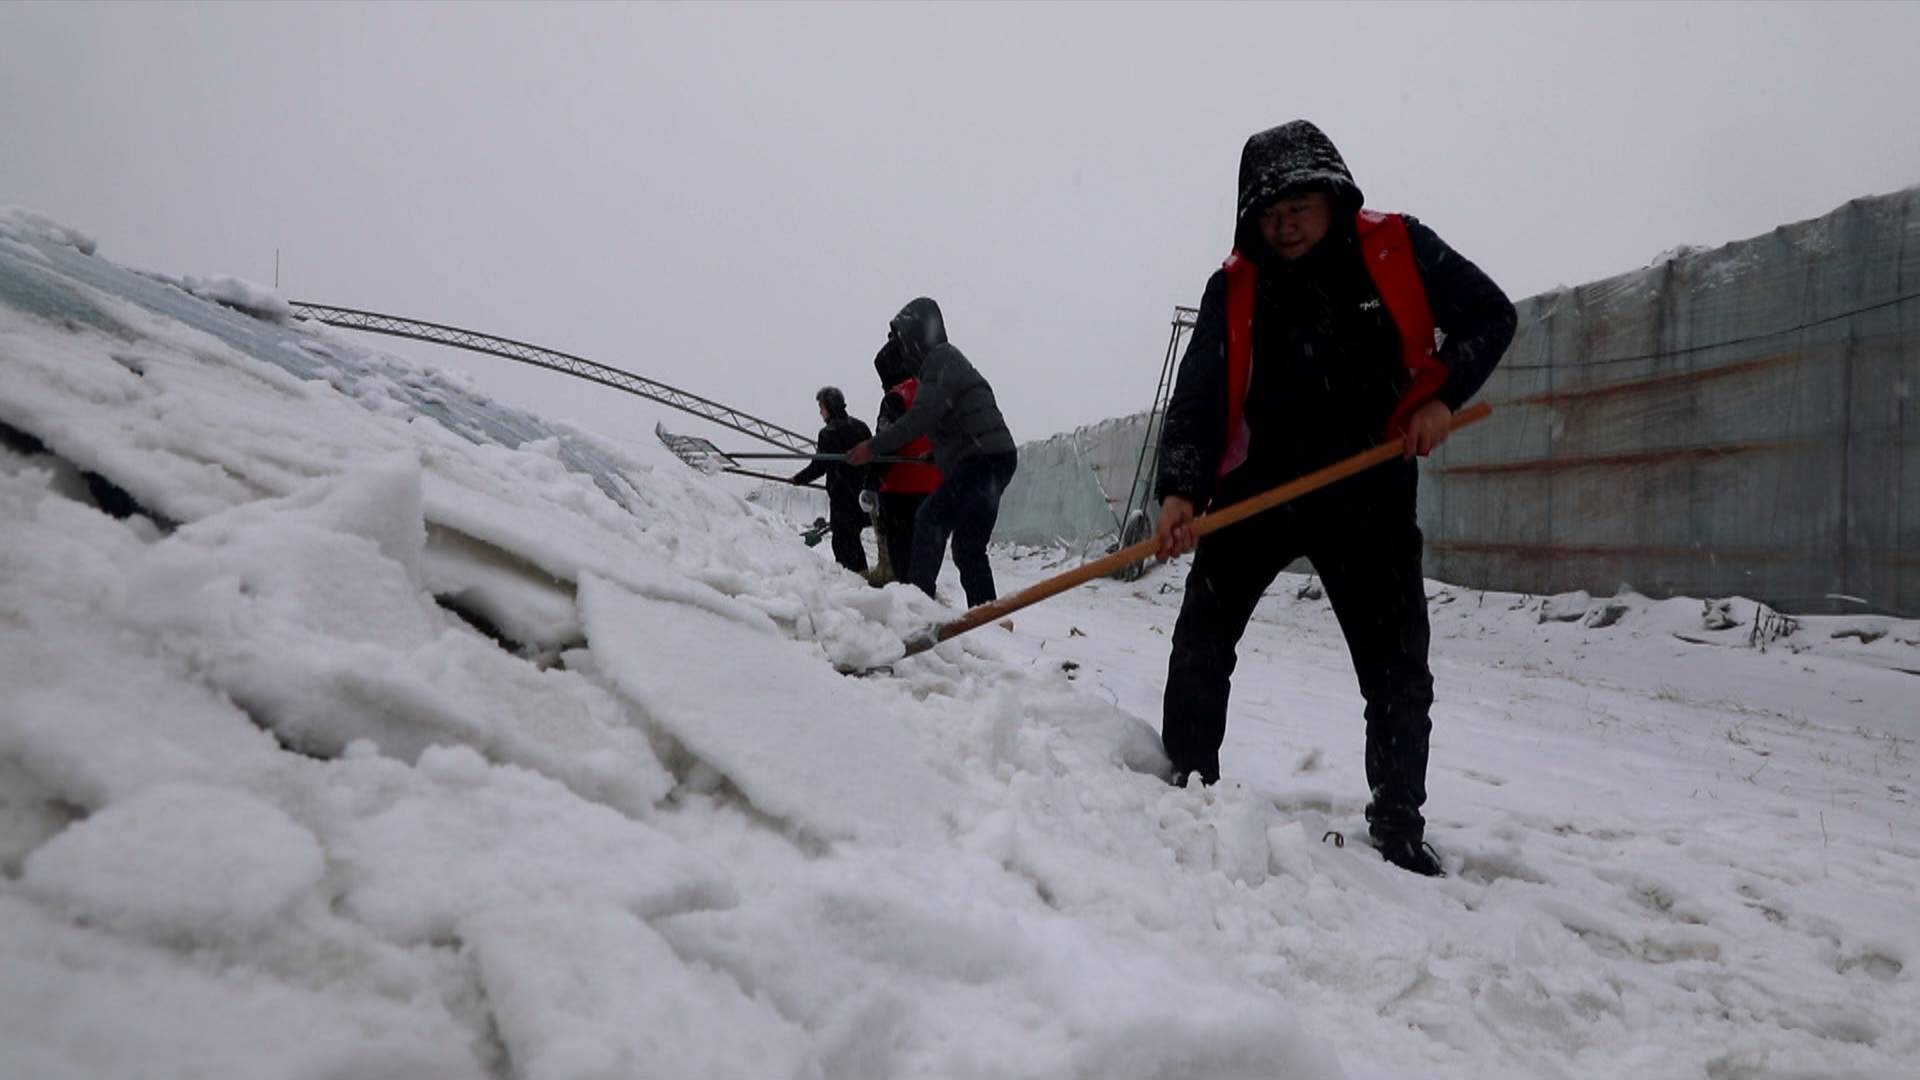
[1202, 525]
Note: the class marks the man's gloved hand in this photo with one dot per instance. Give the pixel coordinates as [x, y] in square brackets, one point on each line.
[869, 501]
[1174, 533]
[1427, 428]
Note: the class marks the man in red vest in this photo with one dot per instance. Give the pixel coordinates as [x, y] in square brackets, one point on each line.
[896, 491]
[1316, 341]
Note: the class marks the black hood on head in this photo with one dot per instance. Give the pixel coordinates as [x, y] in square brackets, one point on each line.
[1292, 158]
[891, 366]
[918, 328]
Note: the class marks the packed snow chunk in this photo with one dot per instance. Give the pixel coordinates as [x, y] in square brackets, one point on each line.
[555, 722]
[25, 226]
[96, 718]
[835, 757]
[861, 628]
[528, 606]
[661, 583]
[302, 616]
[1566, 607]
[1127, 1030]
[1717, 615]
[1069, 731]
[56, 551]
[80, 1004]
[176, 425]
[180, 862]
[257, 300]
[91, 711]
[339, 558]
[243, 296]
[478, 836]
[381, 501]
[1607, 612]
[310, 613]
[589, 992]
[949, 968]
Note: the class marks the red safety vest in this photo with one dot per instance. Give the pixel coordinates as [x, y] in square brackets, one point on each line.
[1388, 252]
[909, 478]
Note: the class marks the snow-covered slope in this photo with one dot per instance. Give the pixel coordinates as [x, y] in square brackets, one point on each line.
[389, 732]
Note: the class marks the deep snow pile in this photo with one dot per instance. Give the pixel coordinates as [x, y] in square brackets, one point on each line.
[390, 732]
[271, 807]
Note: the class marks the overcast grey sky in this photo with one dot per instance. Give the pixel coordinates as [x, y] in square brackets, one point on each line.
[735, 198]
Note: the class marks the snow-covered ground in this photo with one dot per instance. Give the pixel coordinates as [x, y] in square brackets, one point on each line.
[392, 733]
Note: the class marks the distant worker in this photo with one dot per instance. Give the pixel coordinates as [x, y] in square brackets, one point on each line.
[897, 491]
[954, 407]
[844, 481]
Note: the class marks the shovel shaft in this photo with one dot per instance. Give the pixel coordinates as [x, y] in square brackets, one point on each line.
[822, 457]
[1202, 525]
[765, 476]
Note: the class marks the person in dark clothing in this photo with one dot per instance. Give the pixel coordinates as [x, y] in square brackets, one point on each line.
[899, 489]
[973, 450]
[1315, 341]
[844, 481]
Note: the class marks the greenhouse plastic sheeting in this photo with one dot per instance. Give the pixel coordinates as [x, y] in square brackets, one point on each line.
[1739, 421]
[1072, 489]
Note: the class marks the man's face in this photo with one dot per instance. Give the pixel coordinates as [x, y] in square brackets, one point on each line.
[1293, 225]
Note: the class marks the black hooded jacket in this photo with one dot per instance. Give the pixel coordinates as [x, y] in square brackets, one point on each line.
[954, 406]
[893, 370]
[1327, 363]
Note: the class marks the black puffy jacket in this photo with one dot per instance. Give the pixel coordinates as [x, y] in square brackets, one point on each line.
[955, 406]
[1327, 364]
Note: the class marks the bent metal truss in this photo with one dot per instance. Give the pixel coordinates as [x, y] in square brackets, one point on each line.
[567, 364]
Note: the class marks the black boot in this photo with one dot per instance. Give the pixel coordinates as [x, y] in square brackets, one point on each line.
[1411, 854]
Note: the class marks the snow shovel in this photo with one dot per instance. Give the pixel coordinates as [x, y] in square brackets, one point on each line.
[816, 532]
[996, 610]
[706, 457]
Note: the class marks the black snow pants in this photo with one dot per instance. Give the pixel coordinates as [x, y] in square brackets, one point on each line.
[897, 513]
[847, 549]
[1362, 539]
[964, 508]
